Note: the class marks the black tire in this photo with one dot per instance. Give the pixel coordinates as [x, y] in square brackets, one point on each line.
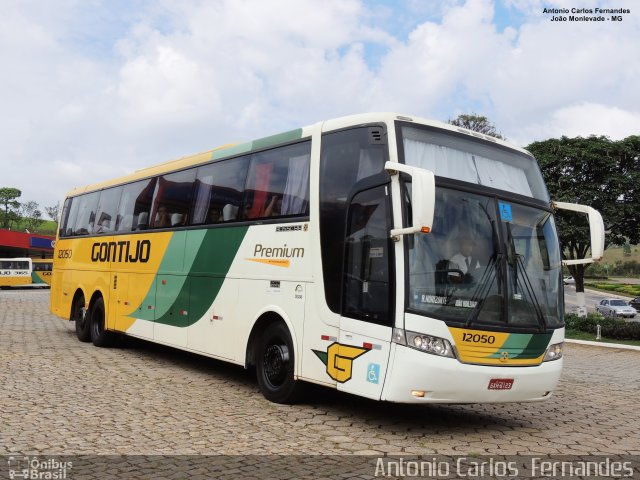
[100, 336]
[79, 315]
[275, 363]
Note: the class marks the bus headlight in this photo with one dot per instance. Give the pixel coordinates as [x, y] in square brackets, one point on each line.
[554, 352]
[424, 343]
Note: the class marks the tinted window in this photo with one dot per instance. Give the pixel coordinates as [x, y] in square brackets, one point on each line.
[86, 215]
[14, 264]
[42, 267]
[69, 216]
[219, 190]
[135, 205]
[368, 265]
[347, 157]
[63, 218]
[173, 199]
[278, 182]
[107, 210]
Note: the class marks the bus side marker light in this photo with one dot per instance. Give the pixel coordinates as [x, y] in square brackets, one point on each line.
[164, 282]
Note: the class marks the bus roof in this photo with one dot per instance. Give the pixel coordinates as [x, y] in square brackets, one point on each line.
[230, 150]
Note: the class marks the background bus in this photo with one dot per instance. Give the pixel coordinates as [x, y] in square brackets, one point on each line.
[333, 254]
[41, 272]
[15, 272]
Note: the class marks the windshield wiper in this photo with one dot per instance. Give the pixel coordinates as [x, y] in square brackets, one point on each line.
[492, 272]
[516, 262]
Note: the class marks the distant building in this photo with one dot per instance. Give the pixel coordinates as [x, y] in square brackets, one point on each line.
[20, 244]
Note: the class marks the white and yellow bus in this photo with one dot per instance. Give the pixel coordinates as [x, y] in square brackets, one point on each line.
[391, 257]
[15, 272]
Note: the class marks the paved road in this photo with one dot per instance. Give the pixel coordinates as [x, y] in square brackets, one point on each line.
[60, 396]
[591, 298]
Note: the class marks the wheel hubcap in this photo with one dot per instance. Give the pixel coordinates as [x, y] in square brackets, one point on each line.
[275, 361]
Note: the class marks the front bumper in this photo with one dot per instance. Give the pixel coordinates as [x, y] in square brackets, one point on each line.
[446, 380]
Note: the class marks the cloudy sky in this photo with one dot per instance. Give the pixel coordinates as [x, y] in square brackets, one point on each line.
[94, 89]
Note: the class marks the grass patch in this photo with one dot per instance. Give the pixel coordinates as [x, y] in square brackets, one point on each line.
[617, 288]
[579, 335]
[48, 227]
[616, 254]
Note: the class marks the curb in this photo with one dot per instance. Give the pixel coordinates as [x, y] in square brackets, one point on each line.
[619, 346]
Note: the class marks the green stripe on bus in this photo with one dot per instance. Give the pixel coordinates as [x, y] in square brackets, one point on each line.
[258, 144]
[277, 139]
[524, 345]
[211, 262]
[35, 278]
[231, 151]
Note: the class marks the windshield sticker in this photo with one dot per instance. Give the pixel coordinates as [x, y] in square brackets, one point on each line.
[466, 303]
[505, 212]
[434, 299]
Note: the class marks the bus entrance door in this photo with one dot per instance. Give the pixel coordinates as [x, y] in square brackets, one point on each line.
[367, 315]
[360, 357]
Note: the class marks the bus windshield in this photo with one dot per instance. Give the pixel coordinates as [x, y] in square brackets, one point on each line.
[488, 262]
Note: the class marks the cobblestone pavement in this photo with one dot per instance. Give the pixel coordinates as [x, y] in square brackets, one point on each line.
[60, 396]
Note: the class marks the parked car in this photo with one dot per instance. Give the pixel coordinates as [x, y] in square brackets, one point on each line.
[569, 281]
[635, 303]
[614, 307]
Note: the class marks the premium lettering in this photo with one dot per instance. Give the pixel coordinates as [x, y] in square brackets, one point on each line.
[122, 251]
[278, 252]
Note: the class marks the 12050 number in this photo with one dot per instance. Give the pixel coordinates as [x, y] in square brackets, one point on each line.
[477, 338]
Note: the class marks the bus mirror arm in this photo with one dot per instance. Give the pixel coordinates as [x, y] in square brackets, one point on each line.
[423, 197]
[596, 226]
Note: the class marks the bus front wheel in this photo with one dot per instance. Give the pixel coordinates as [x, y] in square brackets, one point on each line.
[275, 365]
[100, 336]
[79, 316]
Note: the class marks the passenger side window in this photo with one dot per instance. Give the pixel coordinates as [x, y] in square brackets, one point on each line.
[107, 208]
[278, 183]
[368, 265]
[173, 199]
[135, 205]
[219, 190]
[67, 219]
[86, 214]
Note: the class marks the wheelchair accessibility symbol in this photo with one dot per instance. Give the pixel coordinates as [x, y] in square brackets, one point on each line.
[373, 373]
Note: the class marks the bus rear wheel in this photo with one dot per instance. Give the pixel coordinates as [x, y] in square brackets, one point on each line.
[100, 336]
[79, 316]
[275, 365]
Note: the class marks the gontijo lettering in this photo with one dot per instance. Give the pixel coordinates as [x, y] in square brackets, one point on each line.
[121, 251]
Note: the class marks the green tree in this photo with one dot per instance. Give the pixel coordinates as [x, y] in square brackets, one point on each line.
[477, 123]
[31, 215]
[9, 204]
[53, 212]
[594, 171]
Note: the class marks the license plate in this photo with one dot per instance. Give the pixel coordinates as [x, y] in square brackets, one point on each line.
[500, 383]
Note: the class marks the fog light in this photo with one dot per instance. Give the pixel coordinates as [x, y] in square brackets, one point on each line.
[417, 393]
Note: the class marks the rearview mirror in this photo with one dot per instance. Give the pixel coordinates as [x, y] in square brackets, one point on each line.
[596, 226]
[423, 197]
